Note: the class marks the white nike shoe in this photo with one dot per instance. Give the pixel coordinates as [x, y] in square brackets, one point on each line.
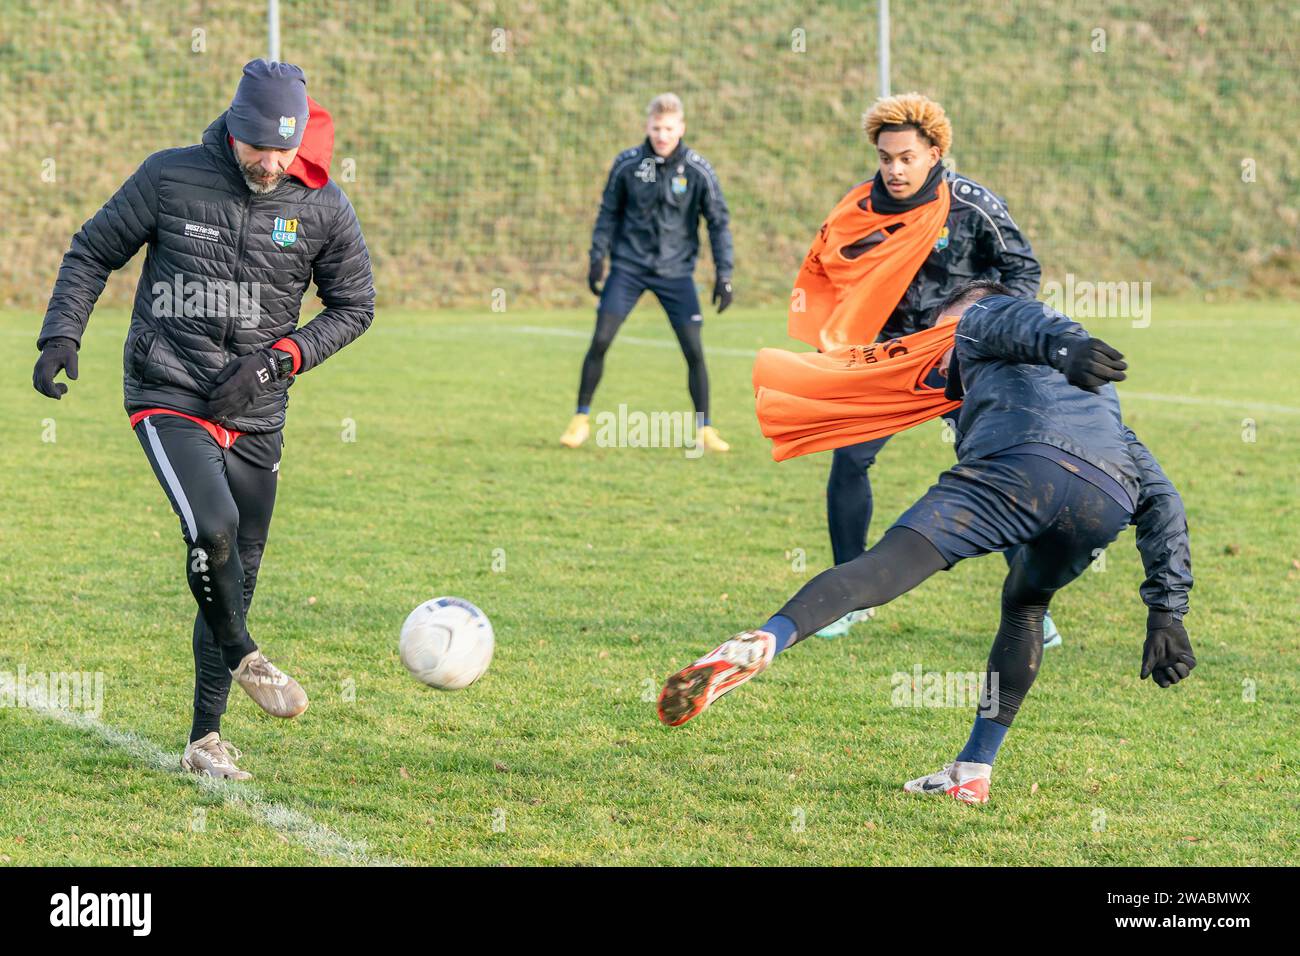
[966, 781]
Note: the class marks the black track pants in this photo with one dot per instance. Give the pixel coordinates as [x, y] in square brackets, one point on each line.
[680, 302]
[224, 498]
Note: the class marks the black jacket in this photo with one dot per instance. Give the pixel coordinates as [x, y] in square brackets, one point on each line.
[221, 278]
[980, 241]
[649, 217]
[1009, 353]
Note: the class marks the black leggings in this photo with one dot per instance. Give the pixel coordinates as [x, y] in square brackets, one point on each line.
[688, 337]
[1084, 521]
[224, 498]
[849, 502]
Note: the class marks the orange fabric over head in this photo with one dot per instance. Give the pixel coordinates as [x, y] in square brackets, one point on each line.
[853, 277]
[815, 401]
[840, 299]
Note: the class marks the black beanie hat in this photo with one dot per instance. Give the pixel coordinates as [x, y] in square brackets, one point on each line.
[270, 105]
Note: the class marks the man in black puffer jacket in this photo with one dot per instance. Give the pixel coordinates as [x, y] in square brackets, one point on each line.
[236, 230]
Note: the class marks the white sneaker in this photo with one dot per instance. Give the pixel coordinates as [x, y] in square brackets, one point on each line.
[213, 757]
[962, 780]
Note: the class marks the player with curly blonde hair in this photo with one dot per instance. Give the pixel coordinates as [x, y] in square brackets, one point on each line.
[977, 240]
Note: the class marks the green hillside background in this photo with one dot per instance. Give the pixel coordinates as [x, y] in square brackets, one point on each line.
[479, 169]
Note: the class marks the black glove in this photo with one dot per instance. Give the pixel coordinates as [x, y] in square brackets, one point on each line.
[241, 382]
[722, 294]
[1090, 363]
[595, 273]
[1167, 657]
[59, 353]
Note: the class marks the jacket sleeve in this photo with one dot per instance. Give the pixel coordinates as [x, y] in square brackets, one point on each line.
[1007, 251]
[346, 285]
[1162, 537]
[1014, 330]
[105, 243]
[714, 208]
[611, 208]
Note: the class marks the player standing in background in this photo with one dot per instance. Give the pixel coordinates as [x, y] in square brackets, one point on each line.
[649, 227]
[1046, 471]
[237, 228]
[979, 240]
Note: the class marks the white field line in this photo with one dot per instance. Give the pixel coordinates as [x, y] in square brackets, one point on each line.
[301, 829]
[750, 353]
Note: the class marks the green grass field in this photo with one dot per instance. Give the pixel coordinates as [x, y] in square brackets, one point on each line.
[621, 564]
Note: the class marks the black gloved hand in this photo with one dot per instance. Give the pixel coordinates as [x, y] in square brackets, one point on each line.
[722, 294]
[1167, 656]
[595, 273]
[241, 382]
[1090, 363]
[59, 353]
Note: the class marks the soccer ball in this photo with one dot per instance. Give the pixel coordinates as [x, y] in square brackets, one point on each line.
[446, 643]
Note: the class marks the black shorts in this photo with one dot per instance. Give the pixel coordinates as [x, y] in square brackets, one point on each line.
[677, 296]
[999, 503]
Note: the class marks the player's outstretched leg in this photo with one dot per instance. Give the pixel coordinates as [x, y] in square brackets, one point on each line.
[900, 561]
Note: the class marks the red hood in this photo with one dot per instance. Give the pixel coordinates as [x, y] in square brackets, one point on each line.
[312, 164]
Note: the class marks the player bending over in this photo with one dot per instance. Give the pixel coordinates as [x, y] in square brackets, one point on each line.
[648, 224]
[1045, 466]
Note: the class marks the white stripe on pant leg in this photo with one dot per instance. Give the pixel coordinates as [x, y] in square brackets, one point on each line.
[173, 482]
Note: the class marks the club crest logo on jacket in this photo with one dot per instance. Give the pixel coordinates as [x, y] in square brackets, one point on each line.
[285, 232]
[941, 243]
